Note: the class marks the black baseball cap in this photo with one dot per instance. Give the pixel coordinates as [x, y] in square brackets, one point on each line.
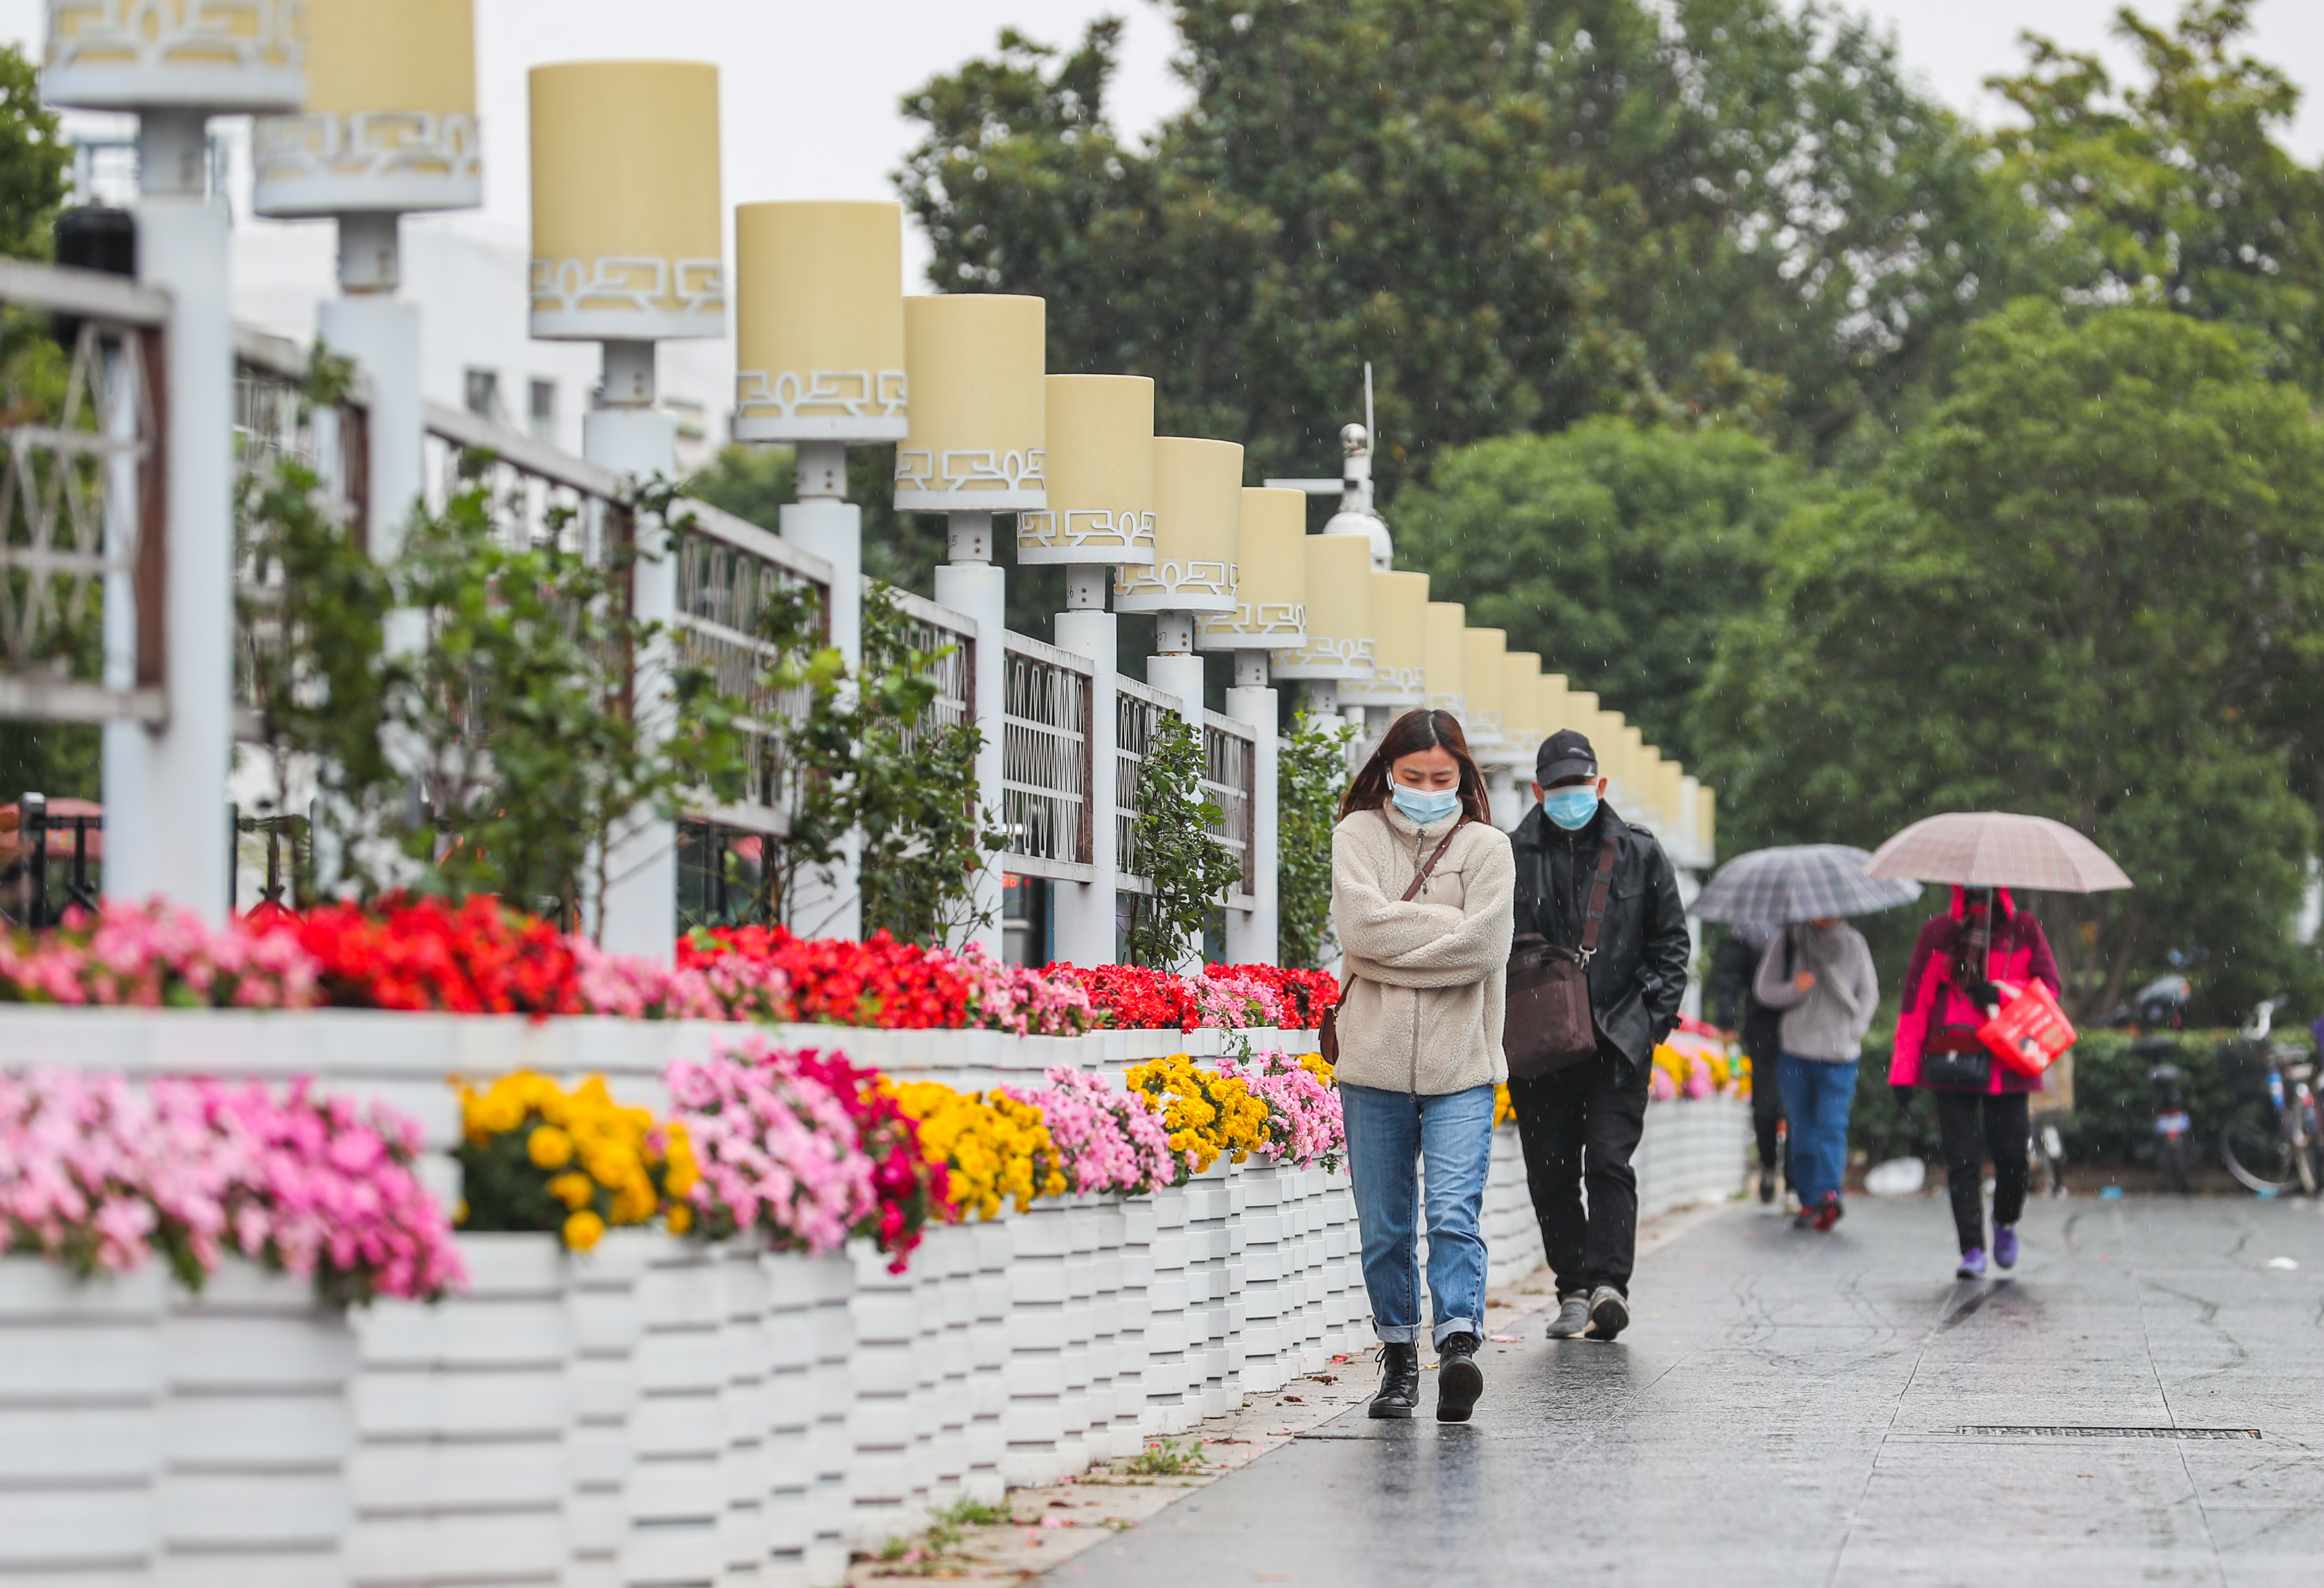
[1564, 753]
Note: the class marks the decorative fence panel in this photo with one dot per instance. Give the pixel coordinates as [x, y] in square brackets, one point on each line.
[1139, 709]
[83, 523]
[1231, 778]
[1046, 781]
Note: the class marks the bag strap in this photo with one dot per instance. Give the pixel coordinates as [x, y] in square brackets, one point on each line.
[1601, 888]
[1421, 881]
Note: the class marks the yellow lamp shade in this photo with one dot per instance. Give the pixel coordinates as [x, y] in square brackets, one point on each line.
[1520, 701]
[1706, 823]
[1270, 577]
[980, 409]
[1551, 704]
[1101, 472]
[248, 56]
[819, 322]
[1340, 642]
[1400, 628]
[1482, 653]
[625, 209]
[1197, 531]
[390, 117]
[1448, 658]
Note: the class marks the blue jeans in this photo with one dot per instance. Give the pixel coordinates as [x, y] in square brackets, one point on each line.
[1816, 1100]
[1389, 1133]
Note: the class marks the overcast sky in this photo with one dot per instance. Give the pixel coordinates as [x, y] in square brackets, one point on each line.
[810, 88]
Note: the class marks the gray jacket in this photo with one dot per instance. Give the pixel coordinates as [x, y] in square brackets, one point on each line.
[1827, 1022]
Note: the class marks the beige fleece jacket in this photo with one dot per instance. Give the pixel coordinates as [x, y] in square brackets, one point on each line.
[1428, 980]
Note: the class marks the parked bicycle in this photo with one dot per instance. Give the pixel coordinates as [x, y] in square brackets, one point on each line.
[2271, 1141]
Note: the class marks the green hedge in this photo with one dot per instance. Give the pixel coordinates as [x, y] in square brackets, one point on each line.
[2114, 1106]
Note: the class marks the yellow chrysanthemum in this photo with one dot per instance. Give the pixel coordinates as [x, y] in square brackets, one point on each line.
[548, 1147]
[680, 1218]
[584, 1231]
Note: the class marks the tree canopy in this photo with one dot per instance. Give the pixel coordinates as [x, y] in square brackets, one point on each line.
[2082, 589]
[1524, 212]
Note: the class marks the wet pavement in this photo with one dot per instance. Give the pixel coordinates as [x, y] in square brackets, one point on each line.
[1793, 1409]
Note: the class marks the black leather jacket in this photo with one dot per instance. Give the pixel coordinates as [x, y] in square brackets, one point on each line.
[1638, 974]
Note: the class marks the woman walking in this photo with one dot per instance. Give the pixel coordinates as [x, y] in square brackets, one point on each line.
[1820, 977]
[1968, 962]
[1421, 891]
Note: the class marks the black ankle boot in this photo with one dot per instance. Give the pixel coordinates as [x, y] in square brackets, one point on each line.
[1459, 1382]
[1399, 1380]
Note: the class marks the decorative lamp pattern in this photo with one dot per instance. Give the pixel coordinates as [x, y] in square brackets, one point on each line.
[1271, 576]
[1197, 531]
[1520, 703]
[1100, 469]
[1482, 654]
[1400, 638]
[227, 56]
[1340, 644]
[980, 405]
[1448, 659]
[389, 122]
[626, 245]
[819, 322]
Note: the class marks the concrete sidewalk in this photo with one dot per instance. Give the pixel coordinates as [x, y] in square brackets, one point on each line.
[1794, 1409]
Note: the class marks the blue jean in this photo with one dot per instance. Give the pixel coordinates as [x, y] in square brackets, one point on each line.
[1389, 1135]
[1816, 1100]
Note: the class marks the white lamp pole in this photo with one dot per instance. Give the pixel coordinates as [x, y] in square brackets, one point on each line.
[1270, 614]
[628, 253]
[1099, 432]
[978, 445]
[175, 65]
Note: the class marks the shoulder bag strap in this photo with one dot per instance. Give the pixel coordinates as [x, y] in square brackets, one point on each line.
[1601, 888]
[1421, 881]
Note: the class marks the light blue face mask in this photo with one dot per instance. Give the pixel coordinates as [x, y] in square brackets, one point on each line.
[1571, 808]
[1425, 805]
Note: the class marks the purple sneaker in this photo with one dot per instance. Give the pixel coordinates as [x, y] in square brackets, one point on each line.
[2005, 1245]
[1972, 1265]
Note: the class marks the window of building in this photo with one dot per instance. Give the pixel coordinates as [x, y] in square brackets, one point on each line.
[485, 393]
[542, 411]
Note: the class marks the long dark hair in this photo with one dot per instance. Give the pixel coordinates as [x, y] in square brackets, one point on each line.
[1408, 735]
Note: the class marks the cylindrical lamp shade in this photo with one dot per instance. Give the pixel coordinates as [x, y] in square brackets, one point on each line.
[1197, 531]
[980, 409]
[1520, 701]
[1706, 823]
[1270, 577]
[389, 123]
[626, 210]
[1448, 658]
[1551, 704]
[819, 322]
[247, 58]
[1101, 473]
[1340, 644]
[1482, 653]
[1400, 628]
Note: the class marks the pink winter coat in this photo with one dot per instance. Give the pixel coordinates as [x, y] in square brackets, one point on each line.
[2021, 954]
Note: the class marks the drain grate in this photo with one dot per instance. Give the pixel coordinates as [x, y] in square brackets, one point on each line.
[2064, 1431]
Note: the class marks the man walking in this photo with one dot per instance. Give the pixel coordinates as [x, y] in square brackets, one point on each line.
[1732, 971]
[1581, 1123]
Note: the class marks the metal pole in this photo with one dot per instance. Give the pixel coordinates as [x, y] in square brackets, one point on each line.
[1086, 932]
[163, 837]
[1254, 936]
[830, 901]
[973, 583]
[627, 433]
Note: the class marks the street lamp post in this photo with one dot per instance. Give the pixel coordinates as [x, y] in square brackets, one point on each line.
[978, 445]
[1099, 516]
[176, 63]
[627, 252]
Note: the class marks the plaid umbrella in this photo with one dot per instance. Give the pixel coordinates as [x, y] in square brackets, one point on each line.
[1800, 882]
[1994, 849]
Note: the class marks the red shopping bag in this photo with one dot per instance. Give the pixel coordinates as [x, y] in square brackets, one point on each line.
[2030, 1032]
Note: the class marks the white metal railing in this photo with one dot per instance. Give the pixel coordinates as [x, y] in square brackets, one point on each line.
[1138, 709]
[1046, 794]
[1230, 778]
[82, 507]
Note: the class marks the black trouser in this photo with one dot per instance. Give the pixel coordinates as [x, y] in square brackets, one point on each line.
[1976, 1125]
[1767, 1114]
[1583, 1123]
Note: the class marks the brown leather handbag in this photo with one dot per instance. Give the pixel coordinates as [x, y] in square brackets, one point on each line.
[1547, 1026]
[1327, 1036]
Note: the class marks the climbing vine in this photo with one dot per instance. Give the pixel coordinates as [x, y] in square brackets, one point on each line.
[1311, 774]
[1172, 847]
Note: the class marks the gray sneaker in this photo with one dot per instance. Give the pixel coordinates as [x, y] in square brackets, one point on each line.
[1610, 1314]
[1572, 1317]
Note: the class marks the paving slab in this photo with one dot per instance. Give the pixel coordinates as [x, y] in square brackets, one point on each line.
[1791, 1409]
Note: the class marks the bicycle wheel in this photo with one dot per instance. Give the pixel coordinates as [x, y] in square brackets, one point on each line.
[2253, 1146]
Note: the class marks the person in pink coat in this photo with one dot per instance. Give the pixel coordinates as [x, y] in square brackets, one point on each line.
[1969, 962]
